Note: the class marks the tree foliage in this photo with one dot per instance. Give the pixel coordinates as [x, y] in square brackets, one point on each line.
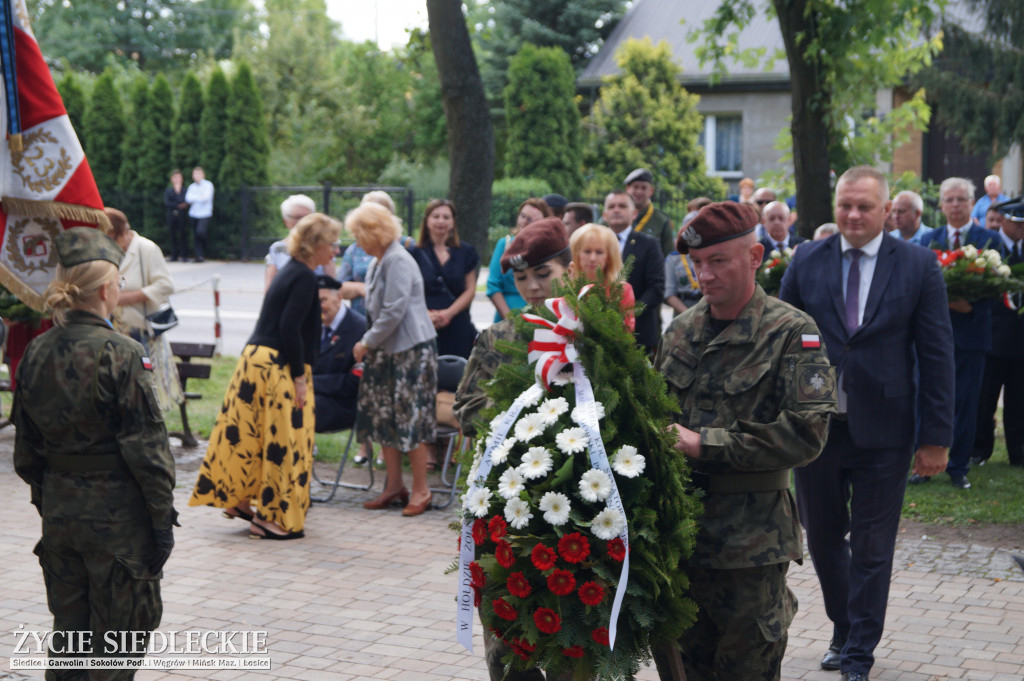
[245, 139]
[213, 124]
[134, 138]
[103, 128]
[74, 100]
[840, 55]
[977, 77]
[645, 118]
[543, 120]
[185, 136]
[155, 156]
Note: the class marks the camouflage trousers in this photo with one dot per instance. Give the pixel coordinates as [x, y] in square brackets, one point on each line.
[741, 629]
[91, 588]
[495, 650]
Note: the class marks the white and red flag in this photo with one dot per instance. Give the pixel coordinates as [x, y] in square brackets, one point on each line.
[45, 182]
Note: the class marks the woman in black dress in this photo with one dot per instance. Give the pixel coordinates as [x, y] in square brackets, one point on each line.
[449, 270]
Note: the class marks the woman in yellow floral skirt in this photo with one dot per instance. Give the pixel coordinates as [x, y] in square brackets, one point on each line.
[258, 463]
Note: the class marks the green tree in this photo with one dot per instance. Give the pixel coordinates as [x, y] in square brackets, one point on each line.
[245, 139]
[74, 100]
[978, 75]
[212, 125]
[840, 55]
[103, 128]
[129, 178]
[430, 134]
[155, 158]
[645, 118]
[543, 120]
[185, 137]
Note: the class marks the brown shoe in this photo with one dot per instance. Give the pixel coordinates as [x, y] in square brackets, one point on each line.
[385, 500]
[416, 509]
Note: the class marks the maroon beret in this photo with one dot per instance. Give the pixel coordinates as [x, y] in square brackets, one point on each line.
[536, 243]
[715, 223]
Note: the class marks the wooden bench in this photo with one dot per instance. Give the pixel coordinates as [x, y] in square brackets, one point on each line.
[185, 352]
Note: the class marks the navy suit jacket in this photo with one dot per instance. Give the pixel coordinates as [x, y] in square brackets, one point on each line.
[1007, 324]
[769, 245]
[906, 313]
[334, 387]
[648, 281]
[971, 331]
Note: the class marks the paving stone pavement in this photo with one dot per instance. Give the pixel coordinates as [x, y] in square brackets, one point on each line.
[364, 596]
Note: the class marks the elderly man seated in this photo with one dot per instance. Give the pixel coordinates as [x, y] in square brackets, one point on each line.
[334, 385]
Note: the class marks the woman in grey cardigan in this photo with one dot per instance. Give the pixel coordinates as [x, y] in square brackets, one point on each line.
[397, 393]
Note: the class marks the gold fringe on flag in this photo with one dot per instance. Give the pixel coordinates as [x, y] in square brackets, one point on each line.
[56, 209]
[21, 290]
[15, 144]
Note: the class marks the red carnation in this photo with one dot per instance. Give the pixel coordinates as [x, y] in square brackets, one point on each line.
[543, 558]
[522, 648]
[459, 542]
[547, 620]
[503, 554]
[518, 585]
[600, 636]
[476, 577]
[479, 531]
[573, 651]
[497, 527]
[497, 634]
[503, 610]
[591, 593]
[617, 550]
[574, 547]
[561, 582]
[478, 597]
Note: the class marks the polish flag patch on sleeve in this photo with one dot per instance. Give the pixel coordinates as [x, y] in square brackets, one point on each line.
[148, 366]
[810, 340]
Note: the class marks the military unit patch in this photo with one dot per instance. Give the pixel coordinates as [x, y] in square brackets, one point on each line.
[816, 383]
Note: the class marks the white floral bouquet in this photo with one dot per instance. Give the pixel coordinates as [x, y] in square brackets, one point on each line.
[571, 555]
[971, 274]
[769, 276]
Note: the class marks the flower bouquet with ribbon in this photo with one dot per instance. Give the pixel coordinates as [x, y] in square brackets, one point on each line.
[576, 516]
[971, 274]
[769, 276]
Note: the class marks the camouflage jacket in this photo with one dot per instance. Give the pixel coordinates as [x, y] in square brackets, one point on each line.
[483, 364]
[660, 227]
[760, 395]
[84, 390]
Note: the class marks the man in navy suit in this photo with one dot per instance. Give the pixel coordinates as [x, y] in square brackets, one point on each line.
[878, 301]
[972, 325]
[648, 274]
[775, 217]
[1004, 365]
[334, 385]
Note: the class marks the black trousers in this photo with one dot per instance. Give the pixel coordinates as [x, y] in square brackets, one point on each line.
[1004, 374]
[860, 492]
[199, 228]
[177, 226]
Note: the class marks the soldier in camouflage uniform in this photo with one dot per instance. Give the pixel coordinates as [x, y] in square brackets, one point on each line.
[756, 390]
[540, 256]
[92, 446]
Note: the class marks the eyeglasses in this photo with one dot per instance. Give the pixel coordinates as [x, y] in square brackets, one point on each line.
[763, 202]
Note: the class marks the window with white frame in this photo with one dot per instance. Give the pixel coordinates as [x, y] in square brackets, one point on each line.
[722, 140]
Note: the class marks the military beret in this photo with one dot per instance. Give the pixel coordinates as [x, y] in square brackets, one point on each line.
[639, 175]
[1011, 210]
[555, 200]
[84, 244]
[536, 243]
[323, 281]
[715, 223]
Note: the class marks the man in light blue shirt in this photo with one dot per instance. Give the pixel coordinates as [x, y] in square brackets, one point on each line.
[993, 195]
[907, 208]
[199, 197]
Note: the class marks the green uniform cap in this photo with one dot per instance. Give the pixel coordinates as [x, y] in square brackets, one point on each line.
[85, 244]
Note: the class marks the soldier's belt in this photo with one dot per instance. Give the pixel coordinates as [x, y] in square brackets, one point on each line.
[741, 483]
[85, 463]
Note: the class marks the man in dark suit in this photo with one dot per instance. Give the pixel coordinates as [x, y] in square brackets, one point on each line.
[1004, 365]
[775, 218]
[972, 324]
[334, 385]
[648, 274]
[877, 301]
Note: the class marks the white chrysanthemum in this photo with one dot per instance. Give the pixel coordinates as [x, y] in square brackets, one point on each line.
[532, 395]
[1003, 270]
[529, 427]
[517, 513]
[788, 252]
[479, 502]
[510, 484]
[550, 410]
[595, 485]
[775, 254]
[970, 251]
[981, 262]
[536, 463]
[992, 256]
[474, 470]
[496, 421]
[556, 508]
[562, 378]
[572, 440]
[592, 412]
[608, 524]
[627, 462]
[500, 452]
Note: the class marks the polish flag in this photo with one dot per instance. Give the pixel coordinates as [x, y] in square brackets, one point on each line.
[810, 340]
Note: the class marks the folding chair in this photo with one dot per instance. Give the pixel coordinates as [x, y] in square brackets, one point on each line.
[449, 373]
[341, 467]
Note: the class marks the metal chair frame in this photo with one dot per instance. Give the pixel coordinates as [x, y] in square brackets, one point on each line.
[449, 372]
[341, 468]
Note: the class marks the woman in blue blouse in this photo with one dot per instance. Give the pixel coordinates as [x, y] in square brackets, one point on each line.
[501, 288]
[449, 269]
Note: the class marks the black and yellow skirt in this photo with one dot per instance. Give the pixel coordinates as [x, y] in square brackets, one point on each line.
[261, 449]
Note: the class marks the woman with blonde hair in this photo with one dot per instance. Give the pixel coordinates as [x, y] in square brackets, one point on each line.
[596, 256]
[260, 455]
[397, 392]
